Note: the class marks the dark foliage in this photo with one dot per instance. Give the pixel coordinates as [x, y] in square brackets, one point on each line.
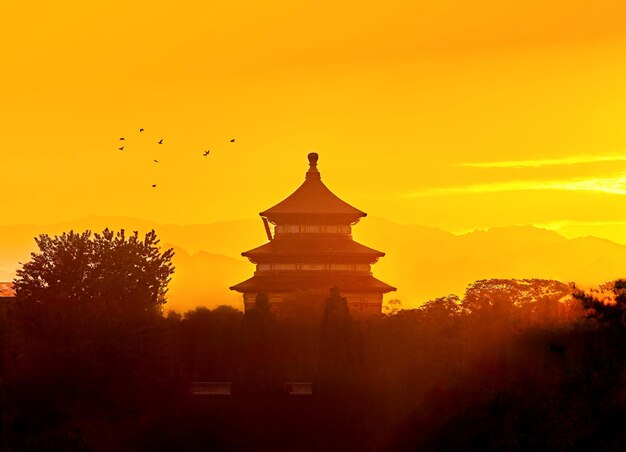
[513, 365]
[109, 269]
[606, 304]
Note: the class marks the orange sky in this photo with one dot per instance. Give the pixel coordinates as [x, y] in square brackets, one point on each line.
[460, 115]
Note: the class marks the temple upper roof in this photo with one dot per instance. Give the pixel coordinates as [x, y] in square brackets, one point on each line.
[312, 202]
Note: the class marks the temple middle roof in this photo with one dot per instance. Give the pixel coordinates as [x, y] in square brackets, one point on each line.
[311, 247]
[312, 198]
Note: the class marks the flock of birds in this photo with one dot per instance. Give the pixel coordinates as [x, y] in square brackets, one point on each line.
[204, 154]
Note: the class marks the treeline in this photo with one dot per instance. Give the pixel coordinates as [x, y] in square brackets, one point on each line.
[513, 365]
[90, 362]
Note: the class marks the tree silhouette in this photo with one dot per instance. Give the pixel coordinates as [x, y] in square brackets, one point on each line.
[503, 294]
[258, 366]
[338, 348]
[110, 268]
[606, 304]
[89, 327]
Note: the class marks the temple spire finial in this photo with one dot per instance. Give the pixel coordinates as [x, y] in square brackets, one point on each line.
[313, 172]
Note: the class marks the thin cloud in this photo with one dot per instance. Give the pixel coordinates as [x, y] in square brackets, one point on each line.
[568, 223]
[564, 161]
[610, 185]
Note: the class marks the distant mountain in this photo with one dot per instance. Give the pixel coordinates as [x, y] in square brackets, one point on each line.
[202, 279]
[427, 262]
[423, 262]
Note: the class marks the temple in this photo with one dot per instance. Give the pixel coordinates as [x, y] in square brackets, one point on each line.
[312, 249]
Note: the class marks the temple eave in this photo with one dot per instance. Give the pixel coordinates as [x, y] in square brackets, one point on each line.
[328, 256]
[319, 247]
[312, 199]
[277, 283]
[312, 218]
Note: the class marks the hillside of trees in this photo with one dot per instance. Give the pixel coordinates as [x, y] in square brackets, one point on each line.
[511, 365]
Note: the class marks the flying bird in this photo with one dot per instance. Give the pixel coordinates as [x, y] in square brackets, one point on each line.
[141, 130]
[121, 149]
[153, 185]
[232, 140]
[156, 161]
[161, 141]
[205, 153]
[122, 139]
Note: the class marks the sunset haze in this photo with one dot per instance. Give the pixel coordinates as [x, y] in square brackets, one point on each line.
[275, 225]
[455, 115]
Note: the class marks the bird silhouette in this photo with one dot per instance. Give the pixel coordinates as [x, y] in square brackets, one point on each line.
[122, 139]
[153, 185]
[121, 149]
[161, 141]
[232, 140]
[156, 161]
[141, 130]
[205, 153]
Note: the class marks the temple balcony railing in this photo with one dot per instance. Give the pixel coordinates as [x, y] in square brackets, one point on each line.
[312, 229]
[359, 268]
[224, 388]
[211, 388]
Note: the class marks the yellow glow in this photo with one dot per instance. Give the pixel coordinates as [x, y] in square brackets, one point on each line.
[394, 97]
[454, 114]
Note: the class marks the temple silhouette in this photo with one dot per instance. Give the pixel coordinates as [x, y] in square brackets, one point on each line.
[312, 249]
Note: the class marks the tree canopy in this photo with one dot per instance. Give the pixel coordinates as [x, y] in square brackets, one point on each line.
[606, 303]
[107, 268]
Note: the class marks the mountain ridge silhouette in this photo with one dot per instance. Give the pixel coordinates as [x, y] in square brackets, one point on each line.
[423, 262]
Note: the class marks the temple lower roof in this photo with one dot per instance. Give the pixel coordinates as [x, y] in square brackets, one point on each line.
[312, 280]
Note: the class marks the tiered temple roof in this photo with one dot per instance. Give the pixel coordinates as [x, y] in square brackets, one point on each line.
[312, 247]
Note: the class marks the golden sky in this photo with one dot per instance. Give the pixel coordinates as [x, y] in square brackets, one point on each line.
[462, 115]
